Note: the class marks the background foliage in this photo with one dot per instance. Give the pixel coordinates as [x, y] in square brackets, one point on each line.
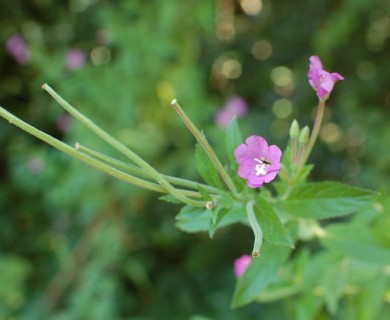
[77, 244]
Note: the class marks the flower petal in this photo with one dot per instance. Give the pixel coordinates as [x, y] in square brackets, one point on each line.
[246, 168]
[255, 147]
[270, 176]
[255, 181]
[275, 154]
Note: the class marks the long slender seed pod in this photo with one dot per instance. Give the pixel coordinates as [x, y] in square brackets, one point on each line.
[258, 232]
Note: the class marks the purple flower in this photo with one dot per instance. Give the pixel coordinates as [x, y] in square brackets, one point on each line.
[240, 265]
[16, 47]
[321, 81]
[257, 162]
[235, 106]
[75, 59]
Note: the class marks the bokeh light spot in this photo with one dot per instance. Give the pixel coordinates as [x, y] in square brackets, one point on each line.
[282, 108]
[366, 70]
[262, 49]
[100, 55]
[251, 7]
[331, 133]
[282, 76]
[231, 69]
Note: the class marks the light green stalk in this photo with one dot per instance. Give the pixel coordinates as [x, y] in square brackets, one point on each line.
[121, 148]
[134, 170]
[74, 153]
[206, 146]
[314, 134]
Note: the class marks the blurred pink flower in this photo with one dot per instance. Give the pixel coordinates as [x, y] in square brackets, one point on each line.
[16, 47]
[240, 265]
[75, 59]
[257, 162]
[235, 106]
[321, 81]
[36, 165]
[64, 123]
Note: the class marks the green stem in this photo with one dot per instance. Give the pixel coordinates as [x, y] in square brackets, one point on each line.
[120, 147]
[293, 150]
[124, 166]
[202, 140]
[314, 134]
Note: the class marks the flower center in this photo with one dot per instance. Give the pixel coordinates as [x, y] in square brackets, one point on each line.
[261, 165]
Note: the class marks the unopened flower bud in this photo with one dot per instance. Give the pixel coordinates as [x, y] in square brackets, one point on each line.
[294, 129]
[210, 205]
[304, 136]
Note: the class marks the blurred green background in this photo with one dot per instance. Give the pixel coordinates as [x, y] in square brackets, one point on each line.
[78, 244]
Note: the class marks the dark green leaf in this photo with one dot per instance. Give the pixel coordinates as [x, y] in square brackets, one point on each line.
[260, 273]
[325, 200]
[274, 231]
[206, 168]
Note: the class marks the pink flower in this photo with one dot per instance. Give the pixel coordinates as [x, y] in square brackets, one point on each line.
[75, 59]
[240, 265]
[234, 107]
[257, 162]
[321, 81]
[16, 47]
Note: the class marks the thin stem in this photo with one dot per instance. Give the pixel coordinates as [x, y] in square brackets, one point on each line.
[119, 146]
[314, 134]
[134, 170]
[202, 140]
[90, 160]
[256, 228]
[300, 155]
[293, 150]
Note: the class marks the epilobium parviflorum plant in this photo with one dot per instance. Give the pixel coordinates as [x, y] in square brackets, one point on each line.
[263, 188]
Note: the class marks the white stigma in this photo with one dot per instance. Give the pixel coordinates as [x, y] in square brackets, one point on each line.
[260, 167]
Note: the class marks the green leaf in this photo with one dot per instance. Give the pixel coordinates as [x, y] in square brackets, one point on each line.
[273, 229]
[195, 219]
[260, 273]
[322, 200]
[333, 281]
[371, 297]
[357, 242]
[226, 199]
[232, 215]
[170, 198]
[204, 193]
[307, 306]
[304, 172]
[233, 139]
[206, 168]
